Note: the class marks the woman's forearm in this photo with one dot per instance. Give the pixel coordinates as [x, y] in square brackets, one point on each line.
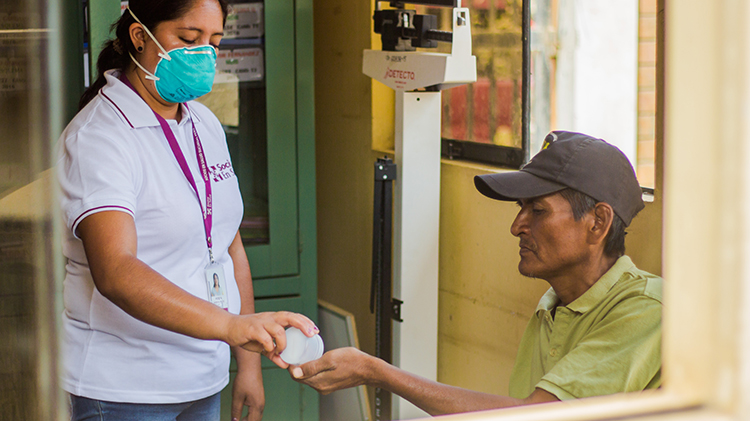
[110, 243]
[138, 289]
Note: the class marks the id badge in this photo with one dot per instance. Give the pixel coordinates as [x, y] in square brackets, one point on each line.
[217, 285]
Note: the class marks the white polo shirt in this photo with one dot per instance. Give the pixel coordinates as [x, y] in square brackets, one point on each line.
[114, 156]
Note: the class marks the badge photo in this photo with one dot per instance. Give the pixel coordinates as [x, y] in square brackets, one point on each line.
[217, 286]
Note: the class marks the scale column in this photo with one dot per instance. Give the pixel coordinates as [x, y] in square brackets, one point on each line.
[416, 238]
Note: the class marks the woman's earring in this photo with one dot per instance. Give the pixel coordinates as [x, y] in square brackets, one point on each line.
[140, 48]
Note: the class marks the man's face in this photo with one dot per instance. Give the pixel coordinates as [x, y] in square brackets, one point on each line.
[551, 242]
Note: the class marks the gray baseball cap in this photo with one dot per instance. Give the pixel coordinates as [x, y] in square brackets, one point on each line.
[571, 160]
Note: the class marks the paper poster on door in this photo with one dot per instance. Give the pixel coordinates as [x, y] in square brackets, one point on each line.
[245, 20]
[245, 63]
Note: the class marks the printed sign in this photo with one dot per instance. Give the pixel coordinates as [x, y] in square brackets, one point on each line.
[245, 63]
[245, 20]
[13, 74]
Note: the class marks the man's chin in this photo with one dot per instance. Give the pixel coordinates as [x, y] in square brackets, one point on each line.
[525, 271]
[528, 271]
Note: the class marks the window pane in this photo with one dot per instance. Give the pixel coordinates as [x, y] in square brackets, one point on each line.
[238, 99]
[489, 110]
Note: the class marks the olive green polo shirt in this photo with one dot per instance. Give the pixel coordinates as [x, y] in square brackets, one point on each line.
[606, 341]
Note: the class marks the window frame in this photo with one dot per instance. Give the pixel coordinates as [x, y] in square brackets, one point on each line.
[502, 156]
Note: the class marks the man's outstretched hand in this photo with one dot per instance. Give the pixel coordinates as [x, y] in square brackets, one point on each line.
[350, 367]
[337, 369]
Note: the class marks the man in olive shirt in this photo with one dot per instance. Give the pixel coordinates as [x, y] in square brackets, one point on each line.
[596, 331]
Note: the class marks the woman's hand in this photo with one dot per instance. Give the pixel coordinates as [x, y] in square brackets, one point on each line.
[264, 332]
[247, 389]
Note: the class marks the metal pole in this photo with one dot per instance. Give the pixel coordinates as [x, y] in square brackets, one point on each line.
[381, 289]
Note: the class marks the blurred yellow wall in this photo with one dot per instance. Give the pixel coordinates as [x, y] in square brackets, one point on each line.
[344, 159]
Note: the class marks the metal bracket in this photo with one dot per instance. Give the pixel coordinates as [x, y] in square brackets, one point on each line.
[385, 170]
[452, 149]
[396, 309]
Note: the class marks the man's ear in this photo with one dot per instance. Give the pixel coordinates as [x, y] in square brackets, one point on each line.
[603, 217]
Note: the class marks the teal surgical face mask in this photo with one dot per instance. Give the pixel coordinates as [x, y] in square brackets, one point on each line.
[182, 74]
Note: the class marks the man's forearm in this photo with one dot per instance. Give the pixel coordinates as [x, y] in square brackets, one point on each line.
[437, 398]
[433, 397]
[342, 368]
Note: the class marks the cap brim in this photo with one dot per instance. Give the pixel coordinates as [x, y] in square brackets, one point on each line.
[511, 186]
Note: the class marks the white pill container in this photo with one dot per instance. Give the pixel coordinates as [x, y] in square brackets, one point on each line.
[301, 349]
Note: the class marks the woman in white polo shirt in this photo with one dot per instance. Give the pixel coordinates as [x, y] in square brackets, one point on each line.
[151, 229]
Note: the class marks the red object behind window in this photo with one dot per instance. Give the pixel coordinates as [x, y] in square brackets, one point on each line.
[457, 114]
[504, 102]
[485, 4]
[481, 115]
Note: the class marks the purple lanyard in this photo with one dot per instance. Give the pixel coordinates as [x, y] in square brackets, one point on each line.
[207, 212]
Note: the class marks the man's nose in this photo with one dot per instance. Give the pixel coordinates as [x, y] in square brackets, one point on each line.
[519, 224]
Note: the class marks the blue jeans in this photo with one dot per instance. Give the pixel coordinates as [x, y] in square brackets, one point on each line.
[85, 409]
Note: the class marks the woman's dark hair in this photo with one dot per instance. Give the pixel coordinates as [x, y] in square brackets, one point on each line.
[115, 55]
[581, 203]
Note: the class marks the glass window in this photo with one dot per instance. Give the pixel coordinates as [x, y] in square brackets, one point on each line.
[483, 121]
[489, 110]
[238, 99]
[591, 68]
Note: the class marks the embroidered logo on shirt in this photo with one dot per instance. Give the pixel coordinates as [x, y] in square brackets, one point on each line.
[220, 172]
